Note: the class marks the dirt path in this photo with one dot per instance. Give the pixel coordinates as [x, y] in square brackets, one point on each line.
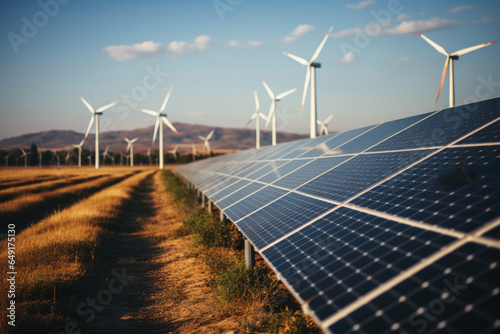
[169, 292]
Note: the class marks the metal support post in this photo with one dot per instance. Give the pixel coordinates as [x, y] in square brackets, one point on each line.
[249, 255]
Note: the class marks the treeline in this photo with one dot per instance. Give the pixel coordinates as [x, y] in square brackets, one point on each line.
[33, 157]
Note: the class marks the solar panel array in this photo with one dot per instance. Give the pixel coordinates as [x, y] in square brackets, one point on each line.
[389, 228]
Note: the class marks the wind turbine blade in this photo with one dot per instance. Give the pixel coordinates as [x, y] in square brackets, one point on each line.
[156, 130]
[443, 76]
[201, 138]
[472, 48]
[166, 99]
[107, 106]
[264, 117]
[166, 121]
[329, 118]
[127, 140]
[134, 140]
[89, 107]
[151, 112]
[320, 47]
[253, 117]
[288, 92]
[249, 121]
[297, 59]
[106, 150]
[269, 116]
[257, 105]
[210, 134]
[89, 127]
[269, 91]
[436, 46]
[306, 87]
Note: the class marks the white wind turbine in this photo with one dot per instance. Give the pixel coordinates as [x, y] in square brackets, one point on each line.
[6, 160]
[57, 158]
[272, 110]
[257, 116]
[90, 159]
[25, 155]
[194, 153]
[159, 118]
[450, 57]
[149, 156]
[311, 76]
[174, 152]
[79, 147]
[67, 158]
[107, 155]
[323, 128]
[206, 145]
[95, 114]
[130, 147]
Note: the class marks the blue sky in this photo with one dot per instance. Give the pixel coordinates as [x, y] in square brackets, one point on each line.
[215, 53]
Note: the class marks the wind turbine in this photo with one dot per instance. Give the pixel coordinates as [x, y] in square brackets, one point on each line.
[206, 145]
[79, 147]
[106, 154]
[130, 147]
[194, 153]
[149, 156]
[174, 152]
[40, 160]
[90, 159]
[257, 115]
[67, 158]
[6, 160]
[25, 155]
[159, 118]
[311, 75]
[450, 57]
[323, 128]
[272, 110]
[95, 114]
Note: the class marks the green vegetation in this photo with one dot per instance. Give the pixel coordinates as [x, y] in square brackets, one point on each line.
[264, 304]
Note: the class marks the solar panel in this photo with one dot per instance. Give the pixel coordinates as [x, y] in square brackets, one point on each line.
[388, 228]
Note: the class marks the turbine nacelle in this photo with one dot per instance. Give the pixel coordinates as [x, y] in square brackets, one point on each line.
[316, 65]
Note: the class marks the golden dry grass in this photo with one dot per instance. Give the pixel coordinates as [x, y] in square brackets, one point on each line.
[60, 249]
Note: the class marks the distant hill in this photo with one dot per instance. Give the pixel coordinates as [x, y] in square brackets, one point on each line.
[224, 139]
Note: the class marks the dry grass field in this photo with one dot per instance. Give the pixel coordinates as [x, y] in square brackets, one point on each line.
[113, 250]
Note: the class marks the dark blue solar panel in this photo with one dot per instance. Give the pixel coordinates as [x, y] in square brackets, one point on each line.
[459, 293]
[309, 171]
[239, 194]
[284, 169]
[228, 190]
[270, 166]
[357, 174]
[490, 134]
[378, 134]
[309, 145]
[238, 210]
[346, 254]
[333, 142]
[443, 127]
[281, 217]
[457, 188]
[219, 185]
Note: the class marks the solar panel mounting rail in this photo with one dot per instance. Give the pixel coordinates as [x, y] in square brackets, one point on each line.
[393, 227]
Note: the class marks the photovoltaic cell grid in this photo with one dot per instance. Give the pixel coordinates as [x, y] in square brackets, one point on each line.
[343, 218]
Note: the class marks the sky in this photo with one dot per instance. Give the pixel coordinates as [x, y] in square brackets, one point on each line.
[374, 67]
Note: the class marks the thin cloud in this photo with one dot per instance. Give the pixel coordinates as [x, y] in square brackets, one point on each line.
[300, 30]
[403, 16]
[360, 5]
[348, 58]
[408, 27]
[459, 9]
[128, 52]
[150, 48]
[405, 27]
[245, 45]
[400, 61]
[486, 19]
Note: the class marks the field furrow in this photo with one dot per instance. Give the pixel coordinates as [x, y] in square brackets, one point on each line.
[25, 210]
[13, 192]
[60, 249]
